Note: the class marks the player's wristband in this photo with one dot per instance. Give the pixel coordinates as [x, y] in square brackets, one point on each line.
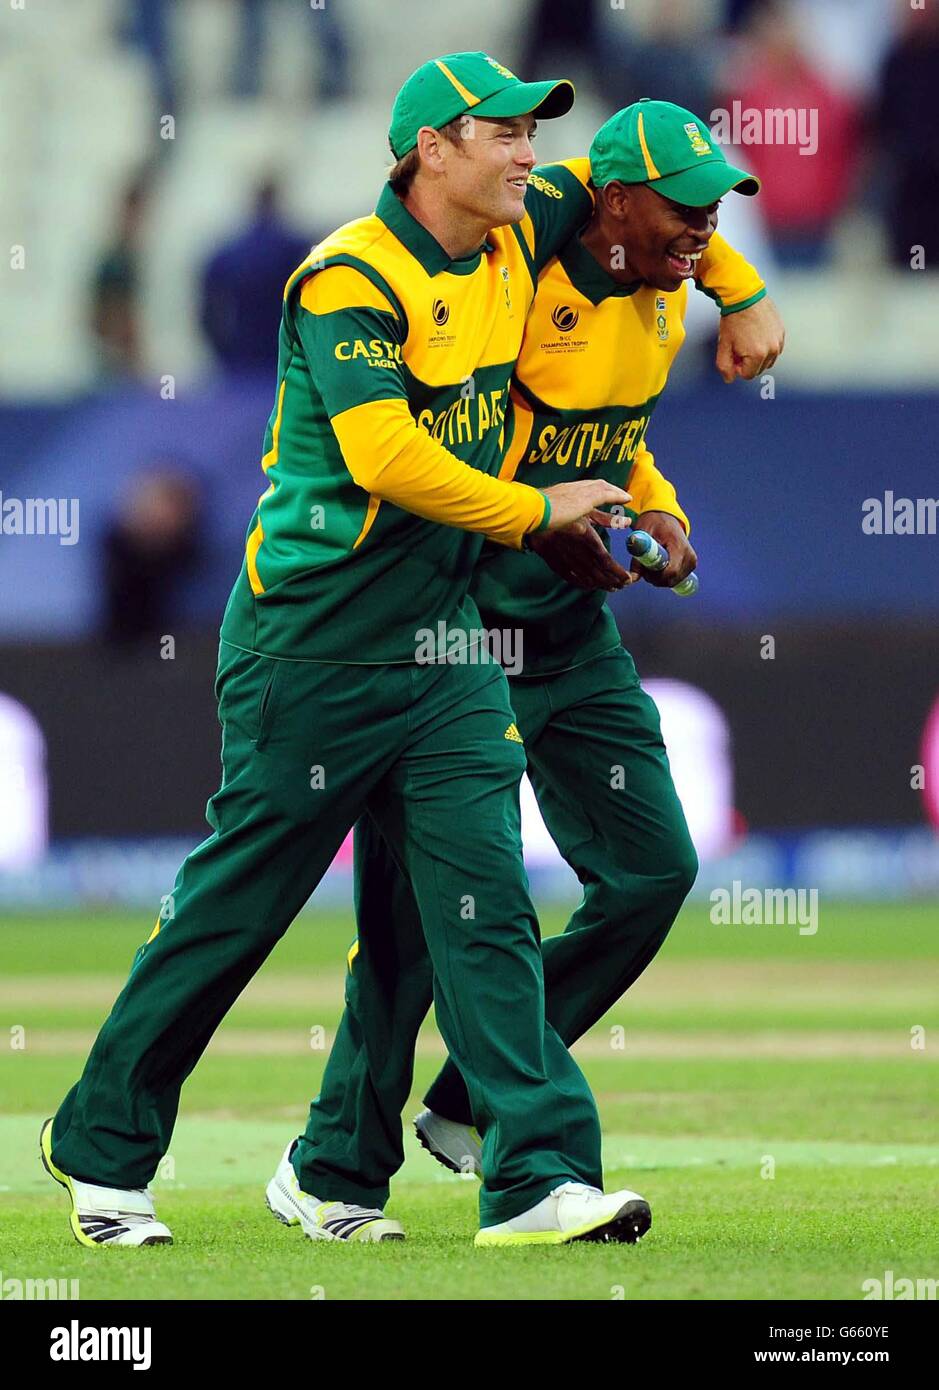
[542, 526]
[744, 303]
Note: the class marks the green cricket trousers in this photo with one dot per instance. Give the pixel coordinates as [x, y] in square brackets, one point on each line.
[306, 749]
[600, 772]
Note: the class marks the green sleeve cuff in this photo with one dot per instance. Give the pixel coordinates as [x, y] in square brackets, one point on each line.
[744, 303]
[542, 525]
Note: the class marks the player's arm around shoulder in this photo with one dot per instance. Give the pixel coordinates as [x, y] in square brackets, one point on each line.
[558, 201]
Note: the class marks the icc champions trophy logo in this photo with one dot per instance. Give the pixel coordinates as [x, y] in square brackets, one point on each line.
[565, 318]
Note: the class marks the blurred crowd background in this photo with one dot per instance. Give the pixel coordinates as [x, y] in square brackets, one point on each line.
[165, 164]
[164, 161]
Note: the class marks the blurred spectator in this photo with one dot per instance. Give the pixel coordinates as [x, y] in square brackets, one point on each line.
[151, 544]
[848, 39]
[737, 12]
[910, 80]
[149, 25]
[327, 41]
[146, 27]
[243, 285]
[660, 48]
[116, 288]
[560, 36]
[807, 182]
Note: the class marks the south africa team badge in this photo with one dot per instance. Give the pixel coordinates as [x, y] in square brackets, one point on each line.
[661, 322]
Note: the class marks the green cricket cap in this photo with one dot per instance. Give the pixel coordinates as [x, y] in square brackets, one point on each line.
[670, 150]
[447, 87]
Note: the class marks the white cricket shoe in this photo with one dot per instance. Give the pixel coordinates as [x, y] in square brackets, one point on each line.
[458, 1147]
[106, 1215]
[574, 1211]
[324, 1220]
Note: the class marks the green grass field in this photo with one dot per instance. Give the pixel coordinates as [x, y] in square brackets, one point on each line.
[743, 1052]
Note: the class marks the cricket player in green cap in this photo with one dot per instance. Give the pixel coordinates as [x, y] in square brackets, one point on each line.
[398, 338]
[604, 329]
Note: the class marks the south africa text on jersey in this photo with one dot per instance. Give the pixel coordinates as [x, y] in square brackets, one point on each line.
[465, 419]
[589, 441]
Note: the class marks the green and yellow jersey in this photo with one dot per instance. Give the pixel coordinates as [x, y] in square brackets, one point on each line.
[594, 361]
[384, 448]
[393, 381]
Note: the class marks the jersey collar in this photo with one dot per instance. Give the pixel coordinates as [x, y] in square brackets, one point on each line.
[587, 275]
[424, 247]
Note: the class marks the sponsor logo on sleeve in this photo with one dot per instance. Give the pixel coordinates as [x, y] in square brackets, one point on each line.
[551, 190]
[376, 352]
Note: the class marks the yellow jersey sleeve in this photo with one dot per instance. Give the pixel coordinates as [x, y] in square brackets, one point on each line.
[728, 278]
[651, 490]
[390, 456]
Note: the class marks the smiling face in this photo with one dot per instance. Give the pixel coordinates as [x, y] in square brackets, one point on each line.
[485, 173]
[662, 240]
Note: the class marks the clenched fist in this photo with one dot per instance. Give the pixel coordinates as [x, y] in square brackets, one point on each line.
[750, 341]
